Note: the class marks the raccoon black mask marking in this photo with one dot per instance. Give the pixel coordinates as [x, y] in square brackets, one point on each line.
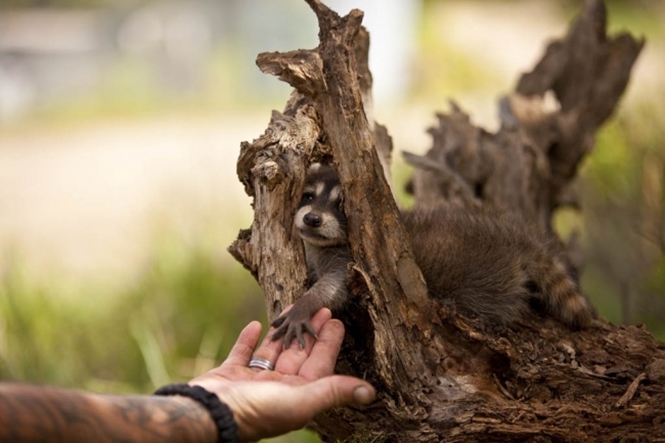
[320, 218]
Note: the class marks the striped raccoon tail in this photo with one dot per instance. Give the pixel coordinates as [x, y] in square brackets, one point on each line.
[559, 294]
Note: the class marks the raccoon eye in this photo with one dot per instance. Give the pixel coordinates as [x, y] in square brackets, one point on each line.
[307, 196]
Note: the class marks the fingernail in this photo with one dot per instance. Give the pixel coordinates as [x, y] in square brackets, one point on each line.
[363, 395]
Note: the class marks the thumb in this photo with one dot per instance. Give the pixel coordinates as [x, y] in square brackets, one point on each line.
[338, 390]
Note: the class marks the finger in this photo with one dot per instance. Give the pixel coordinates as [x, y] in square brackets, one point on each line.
[311, 331]
[322, 358]
[244, 346]
[269, 349]
[335, 391]
[301, 338]
[268, 409]
[291, 359]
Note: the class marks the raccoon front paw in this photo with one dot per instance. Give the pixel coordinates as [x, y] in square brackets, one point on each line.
[292, 325]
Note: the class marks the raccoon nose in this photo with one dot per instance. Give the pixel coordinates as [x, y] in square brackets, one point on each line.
[312, 220]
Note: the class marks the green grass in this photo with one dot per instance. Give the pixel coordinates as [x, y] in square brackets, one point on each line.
[183, 308]
[177, 320]
[181, 315]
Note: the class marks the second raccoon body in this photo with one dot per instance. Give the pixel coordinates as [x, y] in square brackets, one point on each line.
[485, 265]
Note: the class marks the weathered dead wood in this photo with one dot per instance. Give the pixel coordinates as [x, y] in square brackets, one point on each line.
[441, 377]
[272, 170]
[548, 127]
[330, 81]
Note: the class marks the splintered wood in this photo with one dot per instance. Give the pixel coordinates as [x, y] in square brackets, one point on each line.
[440, 376]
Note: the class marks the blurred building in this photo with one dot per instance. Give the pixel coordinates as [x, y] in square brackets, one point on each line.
[46, 53]
[49, 53]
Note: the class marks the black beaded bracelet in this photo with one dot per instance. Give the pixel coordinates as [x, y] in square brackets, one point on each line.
[227, 428]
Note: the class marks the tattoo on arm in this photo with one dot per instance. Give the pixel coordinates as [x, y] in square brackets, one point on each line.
[44, 414]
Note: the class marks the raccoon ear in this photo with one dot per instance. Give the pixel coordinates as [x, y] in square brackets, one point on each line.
[314, 167]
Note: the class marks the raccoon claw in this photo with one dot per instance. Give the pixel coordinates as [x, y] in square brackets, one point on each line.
[292, 328]
[277, 323]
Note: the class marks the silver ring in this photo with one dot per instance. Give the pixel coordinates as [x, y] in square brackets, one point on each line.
[261, 363]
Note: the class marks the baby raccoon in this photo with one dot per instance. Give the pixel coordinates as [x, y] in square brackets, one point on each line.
[321, 222]
[485, 265]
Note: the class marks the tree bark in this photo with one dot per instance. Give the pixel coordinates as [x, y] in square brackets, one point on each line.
[440, 376]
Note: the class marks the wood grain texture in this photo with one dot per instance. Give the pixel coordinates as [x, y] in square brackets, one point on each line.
[440, 376]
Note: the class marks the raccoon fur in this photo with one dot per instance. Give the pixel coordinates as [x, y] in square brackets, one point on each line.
[488, 266]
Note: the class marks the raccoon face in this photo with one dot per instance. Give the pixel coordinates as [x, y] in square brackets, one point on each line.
[320, 218]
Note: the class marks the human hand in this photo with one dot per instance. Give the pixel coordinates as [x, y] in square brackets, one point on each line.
[267, 403]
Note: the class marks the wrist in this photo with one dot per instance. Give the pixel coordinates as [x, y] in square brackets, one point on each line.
[220, 413]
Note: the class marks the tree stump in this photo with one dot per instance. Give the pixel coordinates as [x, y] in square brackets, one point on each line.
[441, 376]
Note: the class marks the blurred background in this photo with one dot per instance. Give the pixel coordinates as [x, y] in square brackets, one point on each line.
[120, 125]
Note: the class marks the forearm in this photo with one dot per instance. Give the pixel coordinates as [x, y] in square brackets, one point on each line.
[43, 414]
[330, 291]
